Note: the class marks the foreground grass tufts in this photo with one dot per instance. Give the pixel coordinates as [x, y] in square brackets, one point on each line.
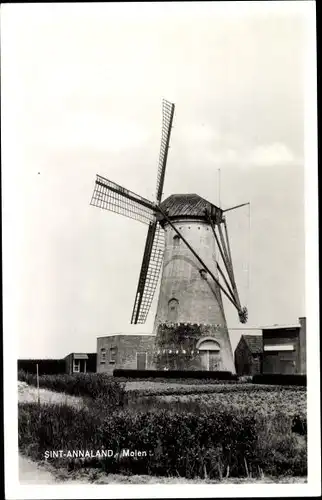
[177, 442]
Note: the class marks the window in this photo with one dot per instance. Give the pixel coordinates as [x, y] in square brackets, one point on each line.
[141, 360]
[113, 352]
[103, 355]
[76, 366]
[203, 274]
[173, 306]
[280, 347]
[176, 240]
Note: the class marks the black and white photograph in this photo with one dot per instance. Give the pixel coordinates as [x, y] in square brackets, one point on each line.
[160, 250]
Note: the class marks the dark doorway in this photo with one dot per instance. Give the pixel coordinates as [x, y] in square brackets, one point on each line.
[141, 361]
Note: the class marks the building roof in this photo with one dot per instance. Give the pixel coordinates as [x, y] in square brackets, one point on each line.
[188, 205]
[80, 355]
[281, 327]
[127, 335]
[254, 343]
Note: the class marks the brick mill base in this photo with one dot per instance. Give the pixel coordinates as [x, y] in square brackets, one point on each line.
[186, 346]
[176, 346]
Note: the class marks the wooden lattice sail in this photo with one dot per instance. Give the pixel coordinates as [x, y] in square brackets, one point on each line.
[184, 232]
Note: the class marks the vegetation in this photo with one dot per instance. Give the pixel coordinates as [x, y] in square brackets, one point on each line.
[206, 430]
[170, 374]
[89, 385]
[216, 389]
[280, 379]
[49, 366]
[177, 439]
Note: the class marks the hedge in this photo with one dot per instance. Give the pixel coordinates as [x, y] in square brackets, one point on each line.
[45, 366]
[177, 374]
[176, 442]
[92, 385]
[279, 379]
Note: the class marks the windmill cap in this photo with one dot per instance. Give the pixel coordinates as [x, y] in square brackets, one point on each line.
[188, 205]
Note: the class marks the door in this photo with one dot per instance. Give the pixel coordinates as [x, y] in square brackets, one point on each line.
[210, 360]
[204, 359]
[278, 363]
[287, 366]
[141, 361]
[210, 357]
[214, 360]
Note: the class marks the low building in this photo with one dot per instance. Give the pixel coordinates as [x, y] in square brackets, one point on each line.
[284, 349]
[134, 352]
[80, 363]
[249, 355]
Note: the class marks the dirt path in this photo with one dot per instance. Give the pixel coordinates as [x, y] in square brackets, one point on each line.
[29, 394]
[32, 473]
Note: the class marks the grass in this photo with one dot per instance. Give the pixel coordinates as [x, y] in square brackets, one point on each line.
[212, 431]
[95, 476]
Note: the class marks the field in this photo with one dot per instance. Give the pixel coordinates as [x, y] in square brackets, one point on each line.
[285, 402]
[202, 431]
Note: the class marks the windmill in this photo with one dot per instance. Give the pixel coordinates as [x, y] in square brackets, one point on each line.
[184, 233]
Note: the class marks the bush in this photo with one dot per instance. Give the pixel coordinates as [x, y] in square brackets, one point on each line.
[215, 388]
[45, 366]
[279, 379]
[91, 385]
[182, 381]
[175, 442]
[280, 450]
[168, 374]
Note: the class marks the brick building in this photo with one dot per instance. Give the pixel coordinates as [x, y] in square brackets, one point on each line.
[80, 362]
[125, 351]
[249, 355]
[284, 349]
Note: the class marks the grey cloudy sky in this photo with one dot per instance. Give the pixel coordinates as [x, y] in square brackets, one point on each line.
[86, 84]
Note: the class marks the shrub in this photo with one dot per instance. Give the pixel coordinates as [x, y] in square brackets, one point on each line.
[187, 444]
[196, 374]
[240, 431]
[280, 451]
[91, 385]
[170, 381]
[48, 366]
[215, 388]
[279, 379]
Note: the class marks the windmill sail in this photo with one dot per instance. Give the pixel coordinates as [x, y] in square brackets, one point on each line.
[111, 196]
[167, 118]
[150, 271]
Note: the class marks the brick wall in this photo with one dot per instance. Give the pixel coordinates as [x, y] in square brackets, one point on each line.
[183, 339]
[242, 358]
[257, 360]
[127, 347]
[281, 361]
[246, 363]
[90, 363]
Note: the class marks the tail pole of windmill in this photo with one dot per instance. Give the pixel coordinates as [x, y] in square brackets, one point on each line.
[185, 237]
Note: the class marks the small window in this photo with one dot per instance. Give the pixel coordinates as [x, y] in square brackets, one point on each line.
[103, 355]
[76, 366]
[279, 347]
[203, 274]
[113, 352]
[176, 240]
[173, 306]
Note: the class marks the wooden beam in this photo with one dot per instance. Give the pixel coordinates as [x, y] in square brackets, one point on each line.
[197, 257]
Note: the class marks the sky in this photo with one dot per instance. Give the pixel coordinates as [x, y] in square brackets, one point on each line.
[83, 86]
